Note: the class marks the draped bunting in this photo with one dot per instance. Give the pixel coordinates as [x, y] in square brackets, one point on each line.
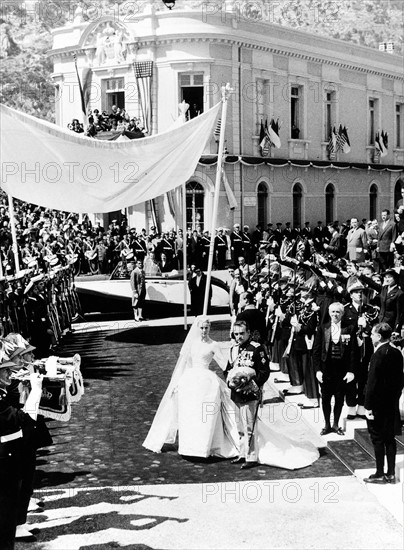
[56, 168]
[211, 160]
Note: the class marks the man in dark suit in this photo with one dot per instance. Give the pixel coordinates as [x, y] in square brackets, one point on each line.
[319, 234]
[306, 232]
[288, 232]
[383, 392]
[400, 203]
[254, 318]
[197, 286]
[334, 245]
[385, 241]
[334, 357]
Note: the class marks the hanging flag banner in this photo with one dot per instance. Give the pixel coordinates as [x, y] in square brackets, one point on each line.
[44, 164]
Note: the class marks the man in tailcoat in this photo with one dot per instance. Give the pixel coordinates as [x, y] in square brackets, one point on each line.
[383, 392]
[334, 359]
[385, 241]
[356, 242]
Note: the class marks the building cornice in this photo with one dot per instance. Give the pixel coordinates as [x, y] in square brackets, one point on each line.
[254, 43]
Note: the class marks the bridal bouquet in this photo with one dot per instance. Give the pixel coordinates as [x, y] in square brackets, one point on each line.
[240, 380]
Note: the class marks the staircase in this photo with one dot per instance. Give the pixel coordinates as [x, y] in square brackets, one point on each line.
[357, 453]
[354, 450]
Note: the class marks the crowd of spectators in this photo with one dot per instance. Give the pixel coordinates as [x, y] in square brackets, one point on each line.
[117, 120]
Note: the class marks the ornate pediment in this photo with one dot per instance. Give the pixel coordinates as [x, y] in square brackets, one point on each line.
[111, 43]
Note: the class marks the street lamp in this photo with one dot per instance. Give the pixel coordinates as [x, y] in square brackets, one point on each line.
[169, 3]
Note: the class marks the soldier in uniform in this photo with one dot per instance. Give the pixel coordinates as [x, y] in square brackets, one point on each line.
[220, 249]
[205, 244]
[139, 247]
[12, 423]
[304, 319]
[248, 245]
[251, 354]
[167, 246]
[362, 316]
[38, 318]
[236, 243]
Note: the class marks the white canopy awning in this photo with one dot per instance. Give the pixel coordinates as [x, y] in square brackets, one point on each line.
[57, 168]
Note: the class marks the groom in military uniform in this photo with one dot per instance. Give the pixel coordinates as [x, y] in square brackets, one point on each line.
[247, 353]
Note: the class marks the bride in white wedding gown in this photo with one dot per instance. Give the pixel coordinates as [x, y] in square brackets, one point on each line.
[197, 402]
[197, 406]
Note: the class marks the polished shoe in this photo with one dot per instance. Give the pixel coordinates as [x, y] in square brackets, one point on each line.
[390, 478]
[249, 465]
[305, 407]
[238, 460]
[351, 417]
[23, 535]
[376, 479]
[326, 431]
[338, 431]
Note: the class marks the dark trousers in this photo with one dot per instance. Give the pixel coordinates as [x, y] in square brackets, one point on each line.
[355, 390]
[10, 485]
[384, 446]
[333, 385]
[386, 260]
[27, 482]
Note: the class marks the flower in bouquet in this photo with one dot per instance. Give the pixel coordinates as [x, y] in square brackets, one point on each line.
[240, 379]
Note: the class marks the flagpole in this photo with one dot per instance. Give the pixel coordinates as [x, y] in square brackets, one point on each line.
[13, 233]
[226, 90]
[184, 251]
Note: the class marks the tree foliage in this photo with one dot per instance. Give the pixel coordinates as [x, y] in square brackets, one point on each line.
[25, 72]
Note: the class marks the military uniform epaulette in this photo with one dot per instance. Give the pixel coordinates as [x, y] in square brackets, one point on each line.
[255, 344]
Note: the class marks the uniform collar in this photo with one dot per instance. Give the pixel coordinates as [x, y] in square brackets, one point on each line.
[242, 346]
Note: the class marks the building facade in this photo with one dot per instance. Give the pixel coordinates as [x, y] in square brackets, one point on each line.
[150, 59]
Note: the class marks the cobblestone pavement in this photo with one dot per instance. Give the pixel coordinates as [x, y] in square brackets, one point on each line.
[126, 373]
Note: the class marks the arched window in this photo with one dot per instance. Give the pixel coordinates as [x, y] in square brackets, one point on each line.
[373, 202]
[195, 196]
[397, 190]
[297, 205]
[262, 200]
[329, 203]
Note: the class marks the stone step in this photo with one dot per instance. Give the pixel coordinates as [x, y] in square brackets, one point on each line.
[362, 437]
[351, 454]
